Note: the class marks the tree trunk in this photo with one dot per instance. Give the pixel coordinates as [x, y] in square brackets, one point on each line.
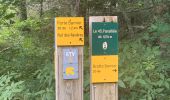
[129, 24]
[23, 10]
[41, 9]
[127, 19]
[74, 7]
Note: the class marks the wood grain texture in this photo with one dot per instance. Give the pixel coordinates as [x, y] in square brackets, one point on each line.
[68, 89]
[101, 91]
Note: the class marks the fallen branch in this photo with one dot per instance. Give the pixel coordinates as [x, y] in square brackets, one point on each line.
[5, 49]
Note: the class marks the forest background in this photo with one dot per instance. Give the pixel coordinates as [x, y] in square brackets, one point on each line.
[27, 46]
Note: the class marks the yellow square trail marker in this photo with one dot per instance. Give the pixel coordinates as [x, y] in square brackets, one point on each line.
[104, 68]
[69, 31]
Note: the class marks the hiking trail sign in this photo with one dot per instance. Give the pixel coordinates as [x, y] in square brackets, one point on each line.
[70, 63]
[104, 52]
[69, 42]
[70, 31]
[104, 69]
[104, 38]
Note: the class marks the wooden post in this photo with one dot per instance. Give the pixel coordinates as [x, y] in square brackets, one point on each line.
[101, 90]
[69, 85]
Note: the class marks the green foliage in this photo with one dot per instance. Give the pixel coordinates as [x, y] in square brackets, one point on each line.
[7, 11]
[23, 51]
[9, 88]
[147, 78]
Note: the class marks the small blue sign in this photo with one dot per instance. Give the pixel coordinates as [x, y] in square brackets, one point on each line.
[70, 63]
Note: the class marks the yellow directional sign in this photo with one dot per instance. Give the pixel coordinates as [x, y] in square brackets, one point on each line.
[69, 31]
[104, 68]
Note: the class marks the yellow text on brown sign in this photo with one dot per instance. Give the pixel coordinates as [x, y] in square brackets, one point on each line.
[69, 31]
[104, 68]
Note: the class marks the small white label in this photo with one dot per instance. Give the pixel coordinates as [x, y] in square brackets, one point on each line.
[104, 45]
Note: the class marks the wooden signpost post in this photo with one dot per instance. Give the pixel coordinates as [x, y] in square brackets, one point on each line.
[69, 41]
[104, 57]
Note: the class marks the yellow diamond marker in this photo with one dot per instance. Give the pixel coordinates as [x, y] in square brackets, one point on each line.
[69, 71]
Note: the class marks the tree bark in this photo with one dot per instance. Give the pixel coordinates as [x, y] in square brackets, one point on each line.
[129, 25]
[41, 9]
[23, 10]
[121, 8]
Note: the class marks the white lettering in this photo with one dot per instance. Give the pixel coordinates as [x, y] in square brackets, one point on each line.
[68, 54]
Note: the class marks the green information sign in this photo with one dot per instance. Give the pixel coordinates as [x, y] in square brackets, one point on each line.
[104, 38]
